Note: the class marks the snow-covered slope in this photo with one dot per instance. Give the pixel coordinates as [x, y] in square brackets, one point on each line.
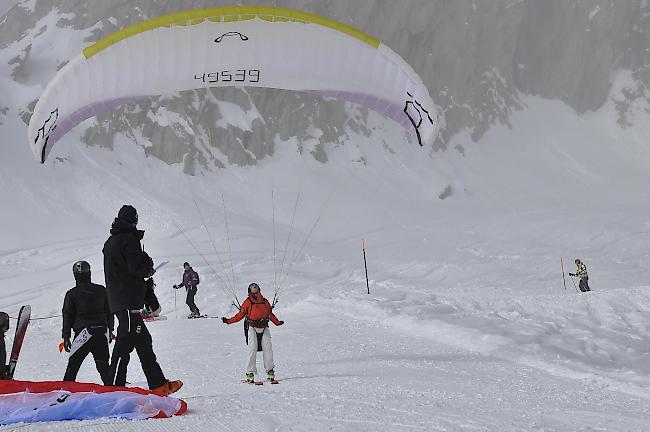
[468, 325]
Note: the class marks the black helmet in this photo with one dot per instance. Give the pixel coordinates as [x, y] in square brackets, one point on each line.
[4, 322]
[253, 285]
[81, 268]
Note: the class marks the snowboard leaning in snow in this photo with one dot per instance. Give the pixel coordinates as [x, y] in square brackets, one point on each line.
[21, 329]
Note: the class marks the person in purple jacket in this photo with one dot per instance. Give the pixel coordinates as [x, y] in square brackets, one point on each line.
[190, 281]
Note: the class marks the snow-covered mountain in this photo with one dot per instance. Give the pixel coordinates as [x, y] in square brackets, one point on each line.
[477, 58]
[468, 326]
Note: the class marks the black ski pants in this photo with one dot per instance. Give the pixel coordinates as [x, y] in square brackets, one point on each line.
[189, 301]
[97, 345]
[132, 334]
[584, 285]
[3, 357]
[3, 350]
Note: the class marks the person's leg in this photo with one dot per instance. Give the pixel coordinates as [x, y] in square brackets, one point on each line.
[582, 285]
[144, 348]
[252, 351]
[187, 299]
[122, 349]
[3, 357]
[100, 354]
[191, 292]
[3, 350]
[75, 361]
[267, 350]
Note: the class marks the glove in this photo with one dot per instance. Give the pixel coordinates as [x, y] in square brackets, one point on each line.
[176, 287]
[224, 320]
[67, 344]
[280, 323]
[572, 274]
[112, 337]
[150, 274]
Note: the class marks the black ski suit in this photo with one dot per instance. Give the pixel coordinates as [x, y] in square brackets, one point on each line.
[86, 311]
[125, 267]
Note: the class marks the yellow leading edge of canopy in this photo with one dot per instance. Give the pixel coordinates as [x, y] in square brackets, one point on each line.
[228, 14]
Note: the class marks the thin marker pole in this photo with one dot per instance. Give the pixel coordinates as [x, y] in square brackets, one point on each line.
[365, 264]
[563, 277]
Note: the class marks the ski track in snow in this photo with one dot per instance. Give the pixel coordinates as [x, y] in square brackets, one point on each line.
[413, 355]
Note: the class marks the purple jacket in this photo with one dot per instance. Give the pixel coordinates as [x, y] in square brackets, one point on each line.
[190, 279]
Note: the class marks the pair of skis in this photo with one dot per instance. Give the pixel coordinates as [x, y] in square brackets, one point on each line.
[259, 383]
[19, 337]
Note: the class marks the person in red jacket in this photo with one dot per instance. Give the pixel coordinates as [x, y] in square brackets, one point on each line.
[257, 312]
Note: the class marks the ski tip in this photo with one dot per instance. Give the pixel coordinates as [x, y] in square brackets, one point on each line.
[253, 382]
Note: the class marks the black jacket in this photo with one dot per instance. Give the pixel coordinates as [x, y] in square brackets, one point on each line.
[125, 266]
[85, 305]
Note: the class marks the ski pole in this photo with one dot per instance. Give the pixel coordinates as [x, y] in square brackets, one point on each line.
[365, 264]
[563, 277]
[574, 285]
[175, 309]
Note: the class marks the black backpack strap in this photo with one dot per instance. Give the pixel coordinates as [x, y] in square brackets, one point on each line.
[246, 325]
[259, 340]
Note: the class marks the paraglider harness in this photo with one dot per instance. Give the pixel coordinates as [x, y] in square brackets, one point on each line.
[263, 323]
[259, 335]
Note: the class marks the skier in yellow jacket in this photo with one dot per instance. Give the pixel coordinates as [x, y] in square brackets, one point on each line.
[581, 272]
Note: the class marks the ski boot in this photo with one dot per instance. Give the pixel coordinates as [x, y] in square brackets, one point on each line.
[270, 376]
[168, 388]
[250, 378]
[191, 315]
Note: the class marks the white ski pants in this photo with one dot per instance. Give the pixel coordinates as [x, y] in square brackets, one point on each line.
[267, 349]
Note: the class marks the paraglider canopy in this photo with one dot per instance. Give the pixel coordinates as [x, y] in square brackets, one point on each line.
[232, 46]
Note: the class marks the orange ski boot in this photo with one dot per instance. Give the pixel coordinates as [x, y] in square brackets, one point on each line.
[168, 388]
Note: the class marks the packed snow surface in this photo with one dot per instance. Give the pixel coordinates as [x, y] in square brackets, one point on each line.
[468, 325]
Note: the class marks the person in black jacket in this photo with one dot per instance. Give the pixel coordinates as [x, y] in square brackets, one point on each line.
[86, 311]
[126, 266]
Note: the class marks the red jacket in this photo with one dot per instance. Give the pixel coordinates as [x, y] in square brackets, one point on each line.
[257, 311]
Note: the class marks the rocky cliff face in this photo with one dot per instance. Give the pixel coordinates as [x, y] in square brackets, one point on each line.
[476, 57]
